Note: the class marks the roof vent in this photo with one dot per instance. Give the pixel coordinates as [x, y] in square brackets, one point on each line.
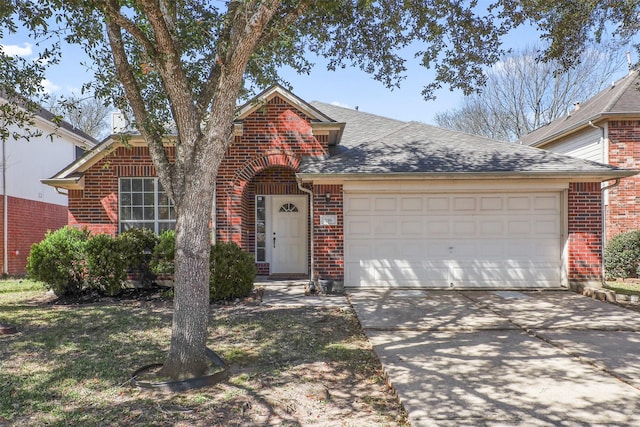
[576, 106]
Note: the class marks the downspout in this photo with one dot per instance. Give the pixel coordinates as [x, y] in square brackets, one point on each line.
[310, 193]
[604, 224]
[5, 213]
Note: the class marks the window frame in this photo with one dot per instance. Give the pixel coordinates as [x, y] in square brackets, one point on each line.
[152, 224]
[260, 245]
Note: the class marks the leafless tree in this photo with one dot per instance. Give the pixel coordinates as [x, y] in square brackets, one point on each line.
[89, 114]
[522, 93]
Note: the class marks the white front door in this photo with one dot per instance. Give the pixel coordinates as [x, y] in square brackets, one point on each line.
[288, 238]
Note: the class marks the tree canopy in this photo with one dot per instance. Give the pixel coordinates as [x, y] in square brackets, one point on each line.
[187, 62]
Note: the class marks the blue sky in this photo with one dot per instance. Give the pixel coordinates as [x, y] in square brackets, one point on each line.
[346, 87]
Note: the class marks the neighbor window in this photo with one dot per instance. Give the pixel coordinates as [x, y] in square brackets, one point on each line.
[144, 204]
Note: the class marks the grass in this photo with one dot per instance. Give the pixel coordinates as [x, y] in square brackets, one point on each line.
[625, 288]
[70, 365]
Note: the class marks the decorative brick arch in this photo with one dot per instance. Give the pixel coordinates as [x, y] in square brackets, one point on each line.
[231, 211]
[258, 164]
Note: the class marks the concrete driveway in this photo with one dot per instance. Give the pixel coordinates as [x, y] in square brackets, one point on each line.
[476, 358]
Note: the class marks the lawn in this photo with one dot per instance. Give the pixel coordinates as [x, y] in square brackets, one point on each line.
[625, 288]
[71, 365]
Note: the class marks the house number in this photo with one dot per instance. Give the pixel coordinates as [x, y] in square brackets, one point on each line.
[328, 220]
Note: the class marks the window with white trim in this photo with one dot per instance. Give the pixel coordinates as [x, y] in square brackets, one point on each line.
[144, 204]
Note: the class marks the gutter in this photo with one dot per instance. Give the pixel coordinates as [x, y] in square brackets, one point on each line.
[603, 226]
[575, 176]
[312, 263]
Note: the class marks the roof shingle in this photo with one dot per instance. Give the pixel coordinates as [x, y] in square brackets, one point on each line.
[621, 98]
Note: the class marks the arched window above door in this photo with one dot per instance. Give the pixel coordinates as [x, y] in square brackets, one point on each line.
[288, 207]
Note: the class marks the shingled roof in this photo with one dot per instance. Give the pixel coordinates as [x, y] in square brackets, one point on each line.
[415, 148]
[621, 99]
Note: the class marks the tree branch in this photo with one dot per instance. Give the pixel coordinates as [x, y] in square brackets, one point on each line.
[112, 12]
[127, 77]
[171, 72]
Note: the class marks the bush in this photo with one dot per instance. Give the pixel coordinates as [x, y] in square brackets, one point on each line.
[232, 272]
[58, 261]
[107, 262]
[163, 254]
[622, 256]
[139, 244]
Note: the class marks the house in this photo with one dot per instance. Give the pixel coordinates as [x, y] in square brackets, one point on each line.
[606, 129]
[30, 208]
[311, 188]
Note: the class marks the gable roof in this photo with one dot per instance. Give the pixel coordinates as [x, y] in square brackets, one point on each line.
[621, 99]
[319, 120]
[71, 177]
[375, 145]
[419, 149]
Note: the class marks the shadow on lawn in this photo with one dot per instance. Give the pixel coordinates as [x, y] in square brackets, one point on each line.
[71, 365]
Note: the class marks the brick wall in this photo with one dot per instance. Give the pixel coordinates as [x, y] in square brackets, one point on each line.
[328, 239]
[96, 206]
[276, 135]
[623, 209]
[28, 222]
[585, 232]
[263, 160]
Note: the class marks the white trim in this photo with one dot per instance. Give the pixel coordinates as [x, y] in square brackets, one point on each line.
[454, 186]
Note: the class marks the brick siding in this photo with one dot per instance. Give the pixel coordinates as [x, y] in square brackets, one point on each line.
[262, 160]
[274, 136]
[96, 206]
[585, 232]
[28, 221]
[328, 239]
[623, 209]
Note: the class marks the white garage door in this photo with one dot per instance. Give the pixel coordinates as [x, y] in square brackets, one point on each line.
[487, 240]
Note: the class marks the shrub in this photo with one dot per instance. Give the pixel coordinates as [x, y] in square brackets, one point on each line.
[622, 255]
[58, 261]
[232, 272]
[139, 244]
[107, 262]
[161, 262]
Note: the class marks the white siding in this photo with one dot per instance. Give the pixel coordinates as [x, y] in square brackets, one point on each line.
[27, 162]
[586, 144]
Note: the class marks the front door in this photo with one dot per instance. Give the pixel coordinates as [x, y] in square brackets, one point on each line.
[288, 234]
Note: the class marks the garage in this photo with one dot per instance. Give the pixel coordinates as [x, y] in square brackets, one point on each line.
[459, 240]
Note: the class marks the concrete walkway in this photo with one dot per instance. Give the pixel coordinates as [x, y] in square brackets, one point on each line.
[291, 293]
[506, 358]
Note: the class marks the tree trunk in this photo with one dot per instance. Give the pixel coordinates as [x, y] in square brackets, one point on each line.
[187, 354]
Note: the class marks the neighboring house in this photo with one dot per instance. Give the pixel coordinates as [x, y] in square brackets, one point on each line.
[606, 129]
[369, 201]
[30, 208]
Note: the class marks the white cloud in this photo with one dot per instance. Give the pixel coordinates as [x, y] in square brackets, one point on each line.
[49, 86]
[16, 50]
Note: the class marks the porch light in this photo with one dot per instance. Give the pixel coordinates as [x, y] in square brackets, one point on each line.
[327, 197]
